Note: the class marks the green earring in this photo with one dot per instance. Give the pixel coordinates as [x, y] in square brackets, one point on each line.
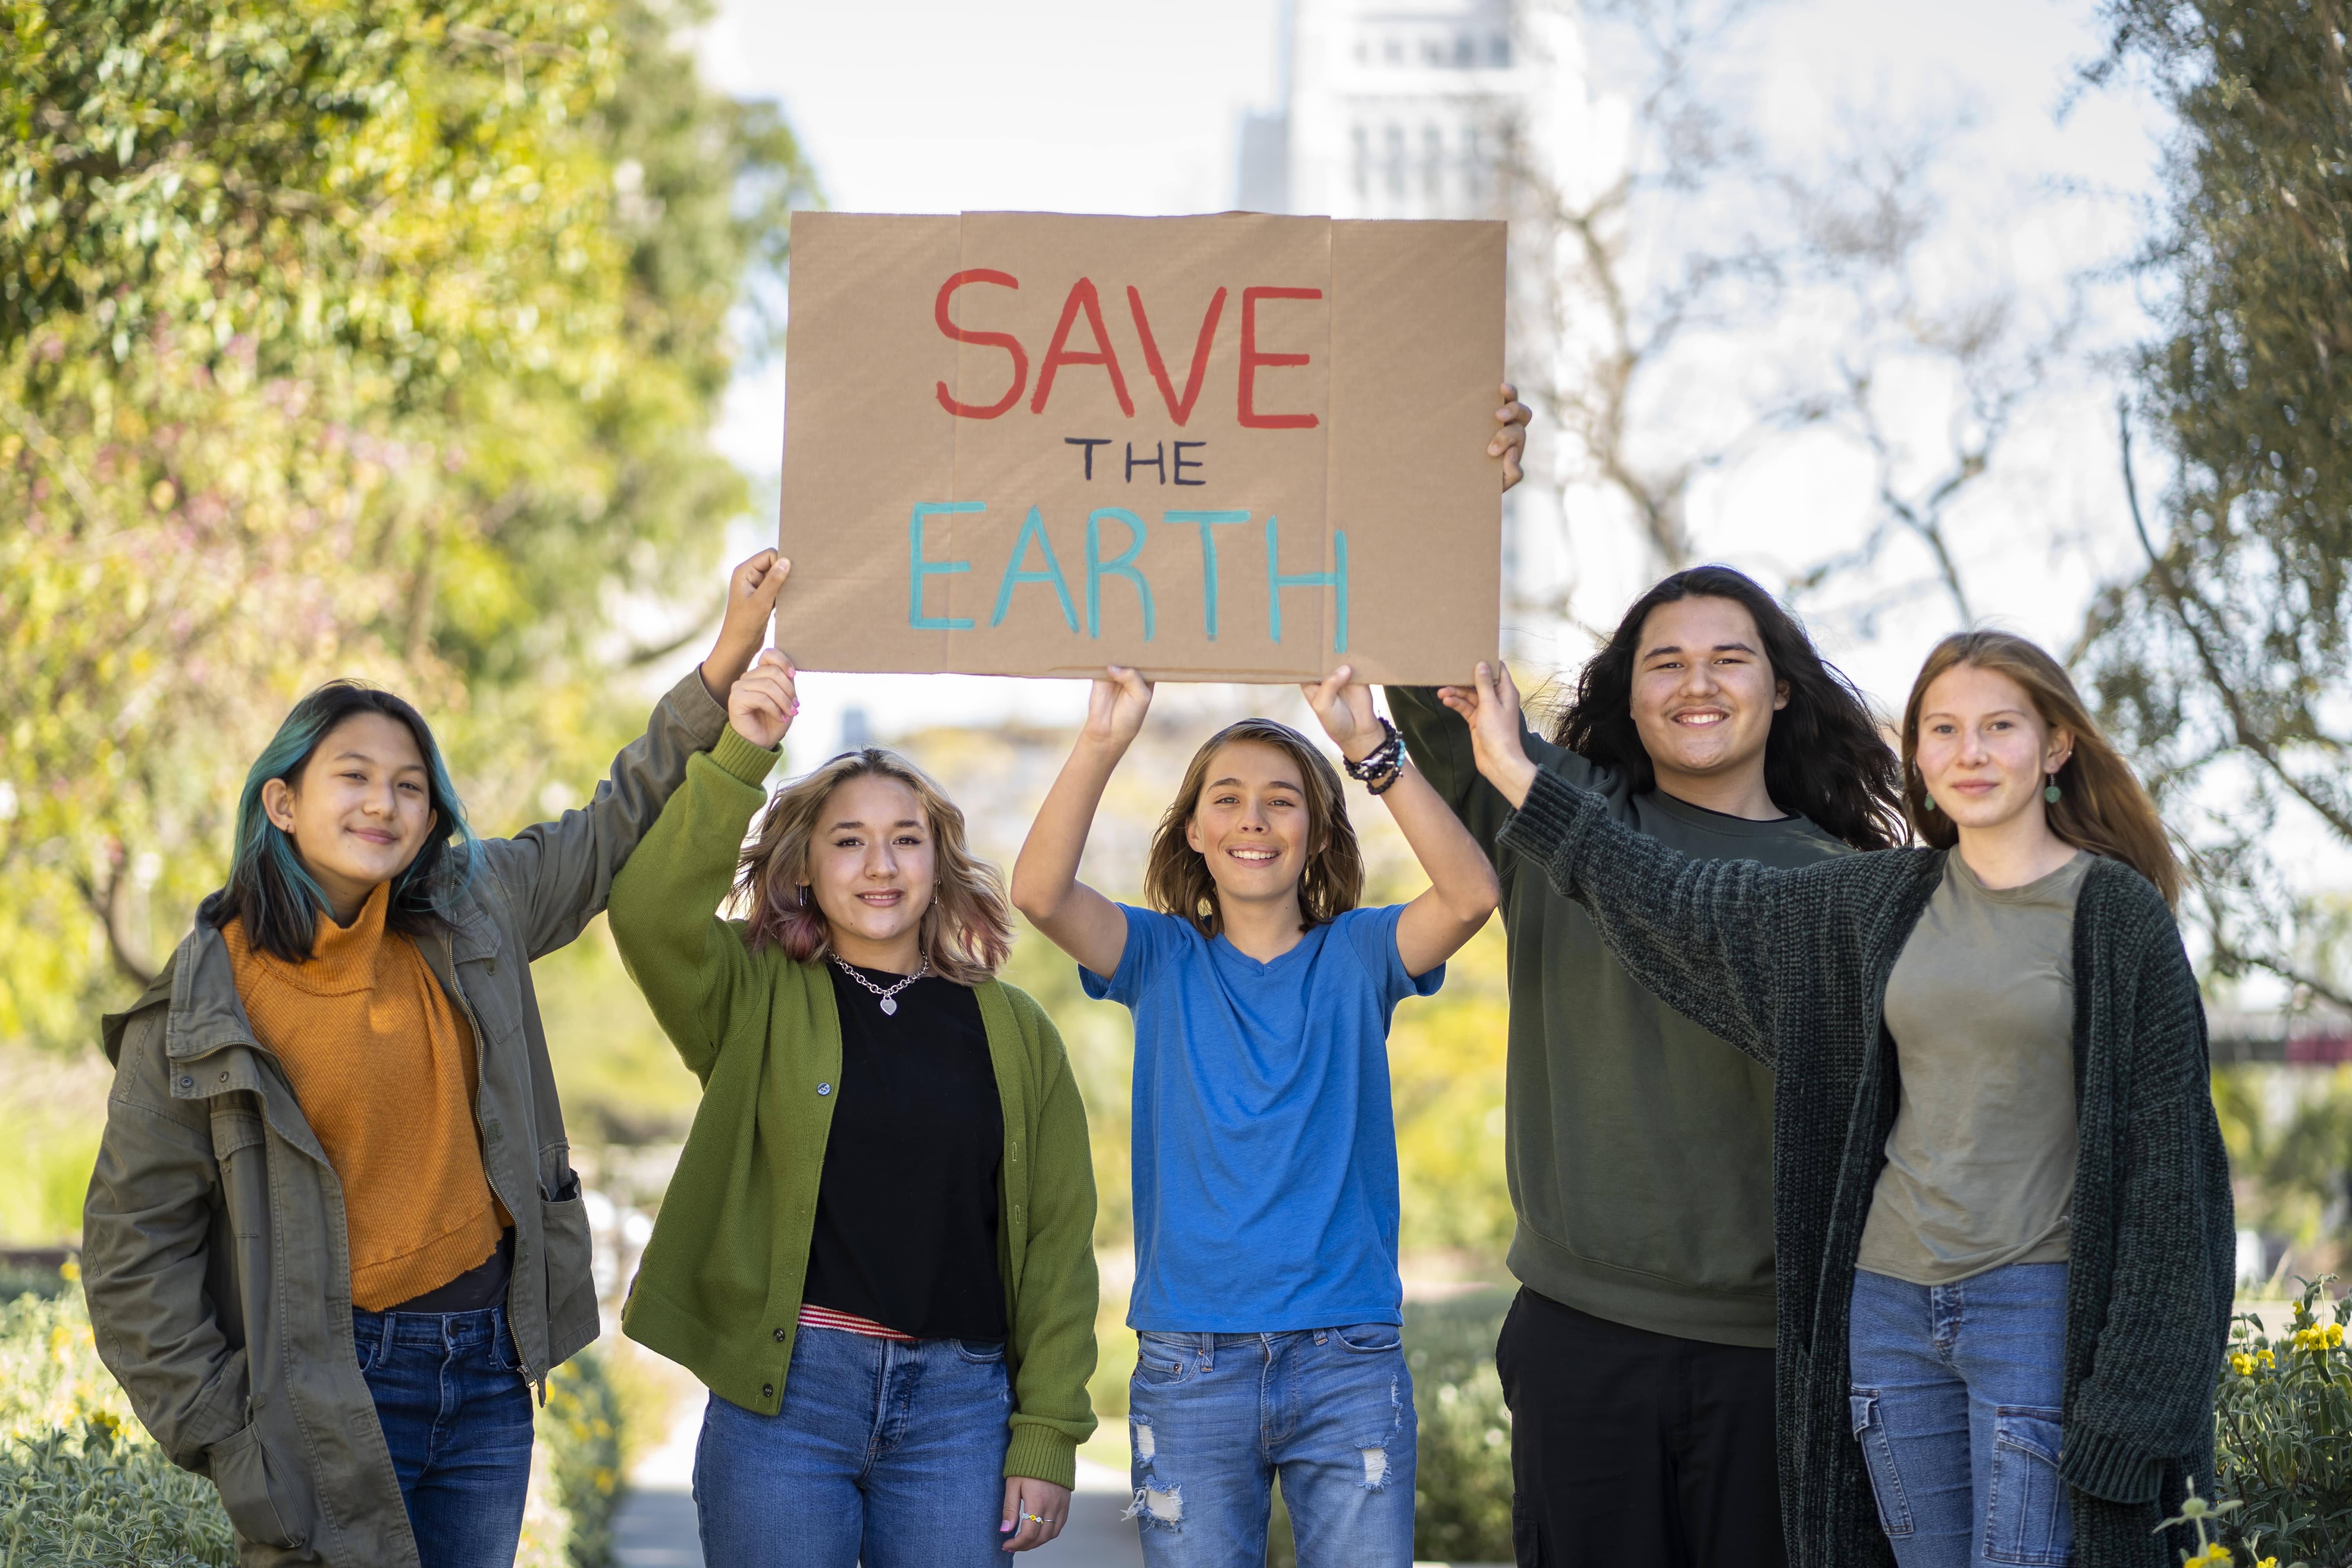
[2050, 793]
[1929, 799]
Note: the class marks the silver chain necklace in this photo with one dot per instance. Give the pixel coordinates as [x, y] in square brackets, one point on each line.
[922, 967]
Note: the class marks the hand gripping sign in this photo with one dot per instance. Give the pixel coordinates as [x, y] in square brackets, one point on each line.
[1237, 447]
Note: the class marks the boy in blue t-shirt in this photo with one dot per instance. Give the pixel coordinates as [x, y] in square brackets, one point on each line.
[1266, 1303]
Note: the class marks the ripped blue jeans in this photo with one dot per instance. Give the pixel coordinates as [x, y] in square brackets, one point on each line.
[1956, 1398]
[1212, 1418]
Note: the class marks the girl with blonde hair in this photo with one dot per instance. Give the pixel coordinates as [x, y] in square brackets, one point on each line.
[877, 1250]
[2002, 1205]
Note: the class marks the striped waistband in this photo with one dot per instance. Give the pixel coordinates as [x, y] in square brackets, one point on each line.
[815, 1317]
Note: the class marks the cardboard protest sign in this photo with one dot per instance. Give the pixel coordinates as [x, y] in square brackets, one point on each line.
[1237, 448]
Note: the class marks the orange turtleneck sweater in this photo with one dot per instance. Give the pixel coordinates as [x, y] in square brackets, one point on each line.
[383, 1067]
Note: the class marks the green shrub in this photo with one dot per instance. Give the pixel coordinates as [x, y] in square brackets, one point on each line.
[100, 1499]
[1461, 1494]
[2282, 1425]
[581, 1428]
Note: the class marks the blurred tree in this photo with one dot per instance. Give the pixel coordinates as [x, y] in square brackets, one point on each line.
[2225, 663]
[339, 339]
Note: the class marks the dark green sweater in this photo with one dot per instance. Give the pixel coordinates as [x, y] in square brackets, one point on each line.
[719, 1290]
[1639, 1146]
[1791, 967]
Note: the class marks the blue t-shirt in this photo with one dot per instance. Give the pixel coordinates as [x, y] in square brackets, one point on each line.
[1265, 1146]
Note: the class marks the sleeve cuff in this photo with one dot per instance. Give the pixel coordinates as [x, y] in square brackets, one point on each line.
[1042, 1455]
[2111, 1469]
[1547, 819]
[740, 757]
[703, 715]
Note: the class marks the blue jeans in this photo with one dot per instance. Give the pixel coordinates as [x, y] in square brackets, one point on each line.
[457, 1415]
[1956, 1403]
[884, 1452]
[1213, 1418]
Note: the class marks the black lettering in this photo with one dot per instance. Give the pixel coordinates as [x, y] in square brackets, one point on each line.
[1183, 463]
[1089, 443]
[1156, 462]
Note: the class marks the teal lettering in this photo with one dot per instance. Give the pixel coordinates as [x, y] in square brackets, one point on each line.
[1034, 528]
[1335, 580]
[918, 568]
[1120, 565]
[1206, 521]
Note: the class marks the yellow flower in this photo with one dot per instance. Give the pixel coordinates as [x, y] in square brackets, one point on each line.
[2217, 1553]
[2335, 1336]
[2265, 1357]
[70, 1269]
[2243, 1364]
[2266, 1562]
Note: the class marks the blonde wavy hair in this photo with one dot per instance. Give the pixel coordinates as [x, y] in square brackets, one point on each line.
[2101, 806]
[967, 929]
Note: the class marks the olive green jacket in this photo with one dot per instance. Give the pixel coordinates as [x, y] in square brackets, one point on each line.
[215, 1254]
[720, 1288]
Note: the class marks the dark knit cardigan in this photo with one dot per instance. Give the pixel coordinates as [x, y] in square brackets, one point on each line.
[1791, 966]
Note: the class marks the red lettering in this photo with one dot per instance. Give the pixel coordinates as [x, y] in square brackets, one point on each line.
[1182, 411]
[1251, 359]
[1057, 355]
[1004, 341]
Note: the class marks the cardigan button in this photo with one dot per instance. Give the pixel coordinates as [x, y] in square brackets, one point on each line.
[823, 1089]
[767, 1391]
[779, 1336]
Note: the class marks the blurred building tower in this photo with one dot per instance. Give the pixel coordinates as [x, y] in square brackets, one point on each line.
[1452, 108]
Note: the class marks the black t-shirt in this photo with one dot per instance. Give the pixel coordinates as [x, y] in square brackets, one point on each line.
[906, 1209]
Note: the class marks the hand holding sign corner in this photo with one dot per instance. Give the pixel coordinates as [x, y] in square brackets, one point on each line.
[1207, 449]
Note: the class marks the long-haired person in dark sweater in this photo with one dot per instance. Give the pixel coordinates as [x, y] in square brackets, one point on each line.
[333, 1234]
[1637, 1359]
[2002, 1205]
[877, 1251]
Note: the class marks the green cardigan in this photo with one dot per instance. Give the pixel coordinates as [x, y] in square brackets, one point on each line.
[720, 1288]
[1791, 966]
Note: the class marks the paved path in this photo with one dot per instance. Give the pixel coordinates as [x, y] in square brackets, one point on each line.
[656, 1530]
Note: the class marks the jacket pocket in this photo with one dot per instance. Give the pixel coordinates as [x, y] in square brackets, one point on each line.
[571, 1261]
[241, 1471]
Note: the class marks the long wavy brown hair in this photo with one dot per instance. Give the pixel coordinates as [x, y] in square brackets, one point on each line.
[967, 928]
[2101, 806]
[1176, 877]
[1824, 758]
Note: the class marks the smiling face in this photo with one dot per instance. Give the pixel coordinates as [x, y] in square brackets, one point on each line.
[1985, 753]
[359, 811]
[871, 871]
[1251, 823]
[1703, 693]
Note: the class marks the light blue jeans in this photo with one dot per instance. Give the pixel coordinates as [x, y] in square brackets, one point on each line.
[1213, 1418]
[1955, 1404]
[884, 1452]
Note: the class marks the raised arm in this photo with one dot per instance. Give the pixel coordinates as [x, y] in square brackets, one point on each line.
[1439, 742]
[1463, 890]
[1703, 935]
[1045, 886]
[559, 874]
[692, 965]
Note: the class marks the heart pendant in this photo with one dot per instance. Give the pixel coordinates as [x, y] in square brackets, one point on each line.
[888, 1006]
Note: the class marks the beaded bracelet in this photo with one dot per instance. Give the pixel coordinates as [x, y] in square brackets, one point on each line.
[1379, 767]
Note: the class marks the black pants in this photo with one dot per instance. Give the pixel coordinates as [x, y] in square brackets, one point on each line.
[1631, 1447]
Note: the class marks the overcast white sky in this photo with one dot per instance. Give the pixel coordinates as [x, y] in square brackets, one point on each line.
[1078, 106]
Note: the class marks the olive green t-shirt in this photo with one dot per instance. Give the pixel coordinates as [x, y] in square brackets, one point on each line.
[1980, 1165]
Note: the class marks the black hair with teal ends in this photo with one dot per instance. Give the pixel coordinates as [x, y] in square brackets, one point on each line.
[274, 893]
[1825, 759]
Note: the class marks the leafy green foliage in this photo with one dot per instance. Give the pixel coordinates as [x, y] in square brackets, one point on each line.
[88, 1497]
[2283, 1420]
[1462, 1493]
[581, 1426]
[338, 339]
[2224, 663]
